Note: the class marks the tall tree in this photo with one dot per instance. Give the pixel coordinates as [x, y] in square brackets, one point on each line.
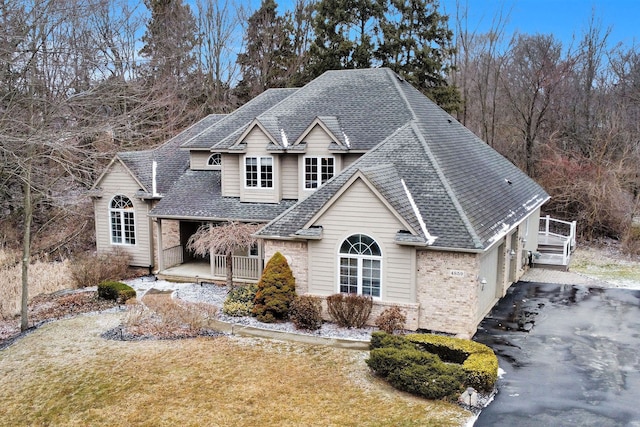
[533, 72]
[169, 47]
[269, 52]
[218, 23]
[417, 44]
[344, 35]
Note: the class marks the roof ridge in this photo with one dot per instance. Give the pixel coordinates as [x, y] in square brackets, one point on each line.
[396, 78]
[447, 186]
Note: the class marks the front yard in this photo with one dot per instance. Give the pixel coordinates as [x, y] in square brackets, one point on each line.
[65, 374]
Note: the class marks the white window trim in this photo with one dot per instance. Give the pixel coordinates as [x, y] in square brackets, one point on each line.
[303, 168]
[121, 213]
[210, 166]
[259, 159]
[360, 257]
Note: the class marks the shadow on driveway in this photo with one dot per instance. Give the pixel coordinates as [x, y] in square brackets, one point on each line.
[571, 356]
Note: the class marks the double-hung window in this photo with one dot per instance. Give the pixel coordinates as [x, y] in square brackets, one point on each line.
[121, 213]
[258, 172]
[317, 171]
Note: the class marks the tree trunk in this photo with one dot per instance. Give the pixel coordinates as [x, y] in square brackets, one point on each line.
[229, 270]
[26, 250]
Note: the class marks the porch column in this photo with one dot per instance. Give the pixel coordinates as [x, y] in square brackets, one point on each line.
[160, 246]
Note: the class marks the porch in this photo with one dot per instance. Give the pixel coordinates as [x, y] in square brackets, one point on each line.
[245, 268]
[556, 243]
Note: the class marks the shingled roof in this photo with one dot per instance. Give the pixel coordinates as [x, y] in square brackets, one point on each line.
[171, 162]
[198, 195]
[441, 178]
[226, 131]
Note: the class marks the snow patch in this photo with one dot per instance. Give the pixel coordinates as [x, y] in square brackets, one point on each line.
[423, 226]
[285, 141]
[346, 140]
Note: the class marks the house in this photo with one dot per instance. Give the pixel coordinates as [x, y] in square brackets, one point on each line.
[363, 183]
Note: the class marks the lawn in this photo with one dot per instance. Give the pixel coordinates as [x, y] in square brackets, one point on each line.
[65, 374]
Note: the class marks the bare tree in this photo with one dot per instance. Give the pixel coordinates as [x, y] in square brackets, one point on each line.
[225, 239]
[218, 41]
[533, 71]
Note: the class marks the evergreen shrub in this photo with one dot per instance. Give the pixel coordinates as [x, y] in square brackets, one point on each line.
[116, 291]
[432, 366]
[276, 291]
[349, 310]
[306, 312]
[239, 301]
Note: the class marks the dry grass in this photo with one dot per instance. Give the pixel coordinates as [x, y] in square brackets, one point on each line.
[64, 374]
[44, 277]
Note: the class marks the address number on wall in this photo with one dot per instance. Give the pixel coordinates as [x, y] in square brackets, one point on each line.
[456, 273]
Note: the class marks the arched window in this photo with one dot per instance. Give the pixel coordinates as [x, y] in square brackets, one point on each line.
[123, 230]
[360, 261]
[215, 160]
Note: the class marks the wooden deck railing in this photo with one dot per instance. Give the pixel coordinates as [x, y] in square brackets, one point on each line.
[173, 256]
[244, 267]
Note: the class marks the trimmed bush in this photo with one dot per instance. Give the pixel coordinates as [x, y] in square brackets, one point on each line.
[306, 312]
[276, 290]
[349, 310]
[435, 381]
[478, 361]
[386, 360]
[391, 320]
[116, 291]
[239, 301]
[383, 339]
[416, 363]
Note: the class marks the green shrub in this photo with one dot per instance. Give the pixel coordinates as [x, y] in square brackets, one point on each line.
[116, 291]
[349, 310]
[436, 381]
[386, 360]
[383, 339]
[239, 301]
[416, 363]
[478, 361]
[276, 290]
[306, 312]
[391, 320]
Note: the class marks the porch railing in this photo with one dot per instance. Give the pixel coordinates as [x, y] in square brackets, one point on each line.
[173, 256]
[244, 267]
[559, 228]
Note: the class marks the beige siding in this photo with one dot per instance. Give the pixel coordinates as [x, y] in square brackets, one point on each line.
[119, 181]
[317, 141]
[347, 159]
[198, 160]
[358, 210]
[257, 143]
[289, 168]
[231, 175]
[491, 269]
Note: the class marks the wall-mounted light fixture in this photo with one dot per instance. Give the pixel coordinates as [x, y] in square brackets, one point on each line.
[512, 254]
[482, 282]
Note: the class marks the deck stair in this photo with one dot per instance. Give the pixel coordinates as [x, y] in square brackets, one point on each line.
[556, 242]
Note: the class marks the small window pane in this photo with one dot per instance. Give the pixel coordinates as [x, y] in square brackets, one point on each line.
[215, 160]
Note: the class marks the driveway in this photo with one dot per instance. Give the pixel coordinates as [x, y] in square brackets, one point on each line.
[570, 355]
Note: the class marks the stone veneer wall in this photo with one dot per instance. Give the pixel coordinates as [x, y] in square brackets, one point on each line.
[447, 291]
[296, 254]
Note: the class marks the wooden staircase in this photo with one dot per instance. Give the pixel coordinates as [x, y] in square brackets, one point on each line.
[556, 242]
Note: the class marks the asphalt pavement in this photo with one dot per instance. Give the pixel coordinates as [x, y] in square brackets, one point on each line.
[570, 352]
